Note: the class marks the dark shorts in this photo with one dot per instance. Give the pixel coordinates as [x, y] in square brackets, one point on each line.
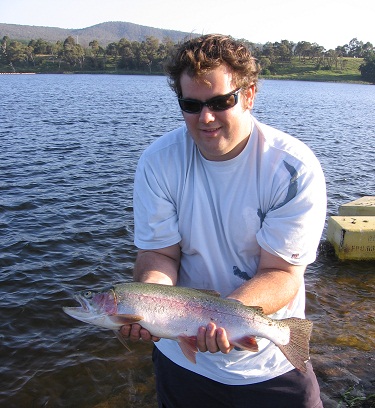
[180, 388]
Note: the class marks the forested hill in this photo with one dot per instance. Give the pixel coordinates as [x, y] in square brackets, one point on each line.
[104, 33]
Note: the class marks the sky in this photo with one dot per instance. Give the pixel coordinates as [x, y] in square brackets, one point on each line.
[329, 23]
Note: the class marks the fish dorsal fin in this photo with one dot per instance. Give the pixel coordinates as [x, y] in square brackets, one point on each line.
[122, 319]
[258, 309]
[234, 301]
[210, 292]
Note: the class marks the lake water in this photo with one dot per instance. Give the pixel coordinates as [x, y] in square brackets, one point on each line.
[69, 147]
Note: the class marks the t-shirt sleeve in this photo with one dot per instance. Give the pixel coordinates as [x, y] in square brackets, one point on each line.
[292, 226]
[155, 215]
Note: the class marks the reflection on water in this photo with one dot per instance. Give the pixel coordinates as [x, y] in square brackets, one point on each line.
[340, 301]
[346, 301]
[69, 146]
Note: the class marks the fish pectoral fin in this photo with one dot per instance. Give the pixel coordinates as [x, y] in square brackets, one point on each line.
[248, 343]
[122, 319]
[188, 345]
[121, 339]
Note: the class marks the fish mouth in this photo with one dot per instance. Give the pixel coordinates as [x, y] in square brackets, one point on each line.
[83, 310]
[85, 304]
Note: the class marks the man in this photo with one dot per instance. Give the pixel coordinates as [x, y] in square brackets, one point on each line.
[229, 204]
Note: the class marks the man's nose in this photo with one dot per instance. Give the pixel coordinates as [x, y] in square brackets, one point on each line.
[206, 115]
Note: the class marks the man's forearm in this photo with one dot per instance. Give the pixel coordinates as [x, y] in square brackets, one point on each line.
[157, 266]
[281, 289]
[274, 286]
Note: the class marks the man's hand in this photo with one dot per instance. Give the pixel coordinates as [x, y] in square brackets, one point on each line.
[213, 339]
[135, 332]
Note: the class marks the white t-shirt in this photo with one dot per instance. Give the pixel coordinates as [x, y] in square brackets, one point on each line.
[272, 195]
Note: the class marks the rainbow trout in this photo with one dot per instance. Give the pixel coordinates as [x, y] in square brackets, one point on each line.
[176, 313]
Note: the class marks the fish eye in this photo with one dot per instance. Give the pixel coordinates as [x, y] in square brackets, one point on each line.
[87, 294]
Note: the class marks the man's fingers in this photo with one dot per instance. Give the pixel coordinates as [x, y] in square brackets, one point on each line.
[146, 336]
[222, 341]
[211, 342]
[131, 331]
[213, 339]
[201, 339]
[125, 330]
[134, 332]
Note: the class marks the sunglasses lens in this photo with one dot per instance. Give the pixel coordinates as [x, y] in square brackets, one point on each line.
[189, 106]
[223, 103]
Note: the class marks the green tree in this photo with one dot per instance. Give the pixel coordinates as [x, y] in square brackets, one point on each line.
[166, 47]
[58, 53]
[96, 54]
[16, 52]
[126, 53]
[149, 52]
[73, 53]
[303, 50]
[112, 50]
[40, 46]
[327, 59]
[316, 50]
[30, 54]
[355, 48]
[341, 50]
[284, 50]
[268, 51]
[3, 50]
[368, 49]
[265, 64]
[368, 69]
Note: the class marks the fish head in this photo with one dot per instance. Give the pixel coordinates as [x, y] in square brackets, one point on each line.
[96, 307]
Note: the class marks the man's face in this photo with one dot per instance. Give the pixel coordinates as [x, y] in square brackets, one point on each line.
[219, 135]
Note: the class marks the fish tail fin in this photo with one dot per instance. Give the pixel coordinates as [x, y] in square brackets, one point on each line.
[297, 350]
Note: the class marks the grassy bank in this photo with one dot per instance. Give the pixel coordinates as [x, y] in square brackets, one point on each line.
[346, 70]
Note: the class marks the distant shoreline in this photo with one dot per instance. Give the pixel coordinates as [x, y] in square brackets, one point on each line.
[18, 73]
[285, 77]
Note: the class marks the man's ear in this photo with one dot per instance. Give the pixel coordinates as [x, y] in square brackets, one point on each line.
[249, 95]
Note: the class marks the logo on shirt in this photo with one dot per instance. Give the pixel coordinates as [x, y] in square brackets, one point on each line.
[242, 275]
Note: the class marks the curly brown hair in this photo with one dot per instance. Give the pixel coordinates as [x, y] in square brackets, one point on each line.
[200, 55]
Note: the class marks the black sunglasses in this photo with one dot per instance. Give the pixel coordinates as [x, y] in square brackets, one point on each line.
[216, 104]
